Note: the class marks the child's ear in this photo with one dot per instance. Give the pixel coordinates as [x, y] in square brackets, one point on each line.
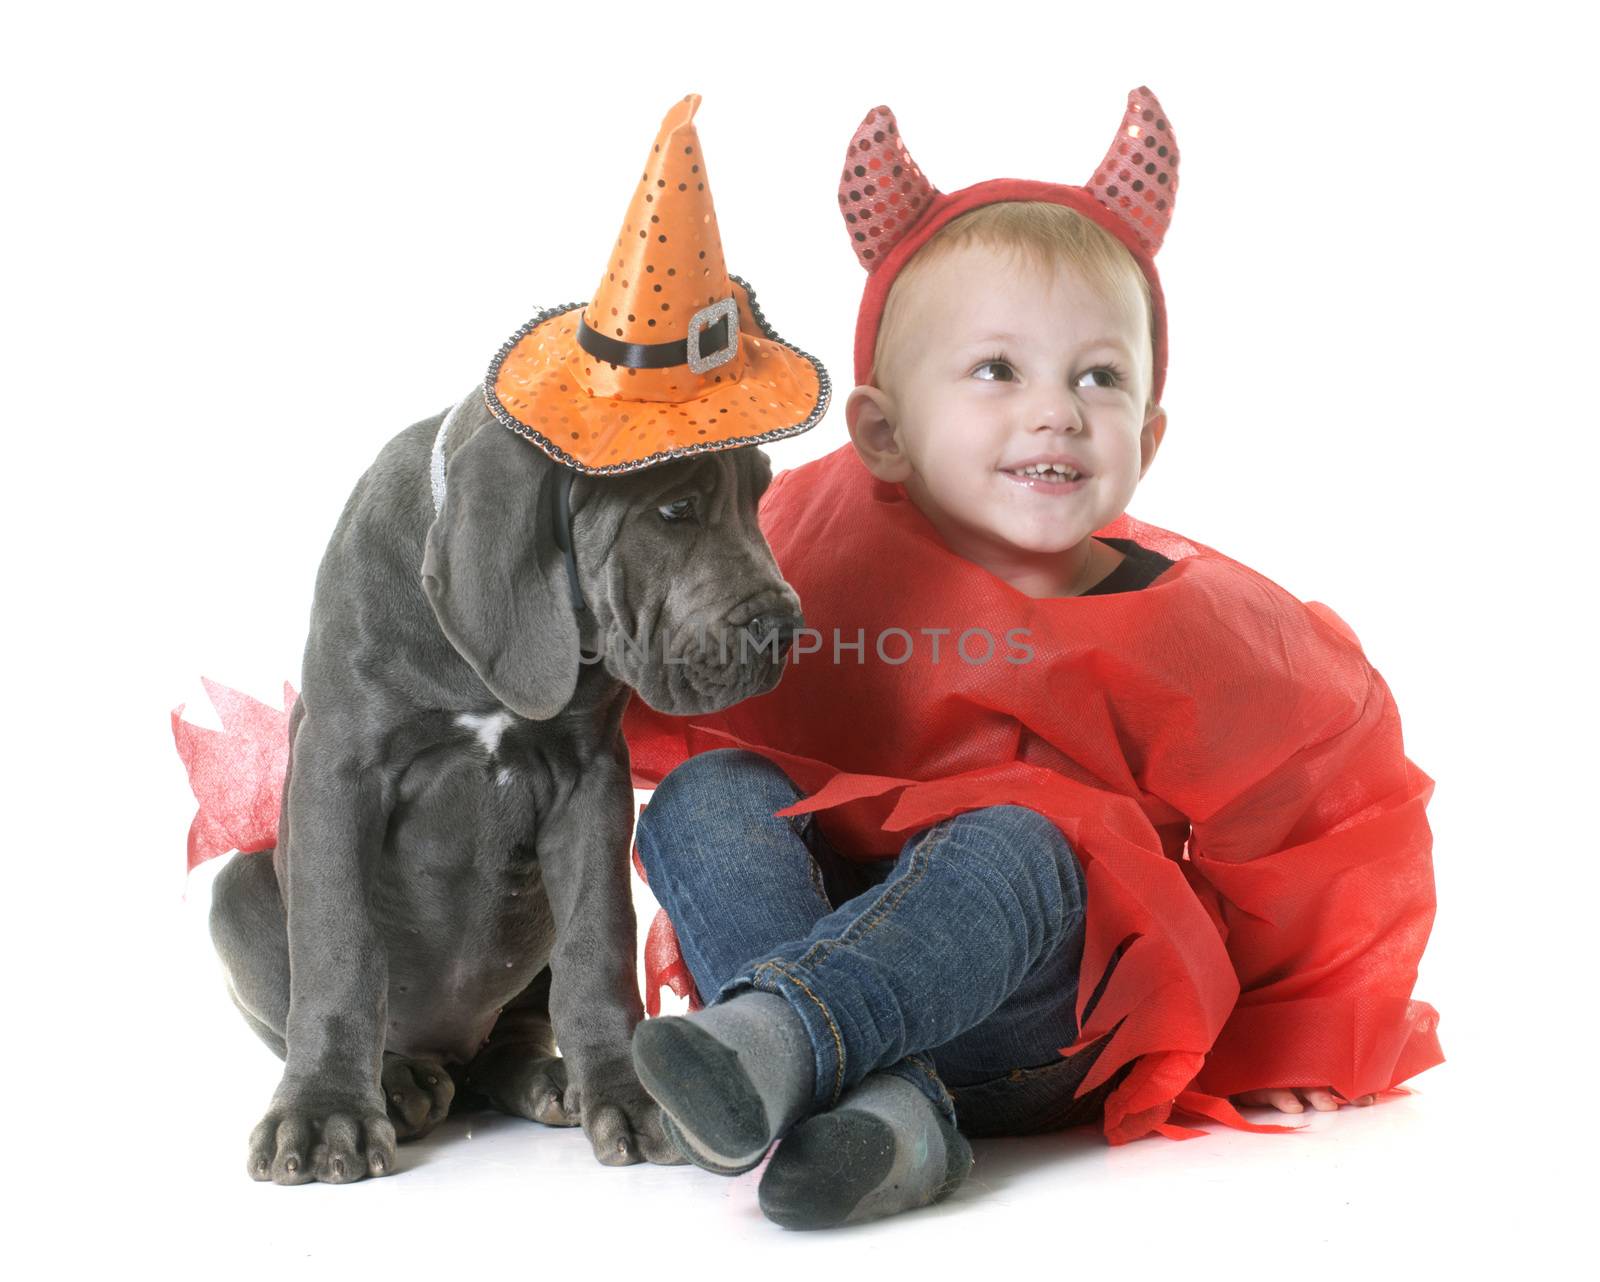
[1155, 427]
[869, 415]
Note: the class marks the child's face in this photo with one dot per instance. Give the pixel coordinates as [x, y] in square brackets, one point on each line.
[953, 422]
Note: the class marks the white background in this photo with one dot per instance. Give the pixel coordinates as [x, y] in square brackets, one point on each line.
[248, 244]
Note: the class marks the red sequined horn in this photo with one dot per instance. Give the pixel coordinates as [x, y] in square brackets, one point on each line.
[1138, 179]
[882, 192]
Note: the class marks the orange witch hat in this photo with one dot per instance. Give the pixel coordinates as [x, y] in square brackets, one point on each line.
[672, 356]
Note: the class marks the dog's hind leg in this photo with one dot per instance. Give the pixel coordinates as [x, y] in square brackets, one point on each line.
[249, 928]
[517, 1070]
[417, 1094]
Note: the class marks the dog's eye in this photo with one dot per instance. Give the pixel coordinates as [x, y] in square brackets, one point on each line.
[680, 510]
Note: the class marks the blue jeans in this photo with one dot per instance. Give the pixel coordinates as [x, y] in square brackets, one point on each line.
[954, 966]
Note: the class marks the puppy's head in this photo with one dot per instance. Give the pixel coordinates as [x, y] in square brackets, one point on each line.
[686, 602]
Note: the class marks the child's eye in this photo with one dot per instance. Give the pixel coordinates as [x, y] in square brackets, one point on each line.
[999, 363]
[1112, 376]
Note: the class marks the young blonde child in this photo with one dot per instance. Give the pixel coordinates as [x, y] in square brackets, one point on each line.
[1167, 850]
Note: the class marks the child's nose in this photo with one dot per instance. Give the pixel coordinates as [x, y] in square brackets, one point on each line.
[1057, 411]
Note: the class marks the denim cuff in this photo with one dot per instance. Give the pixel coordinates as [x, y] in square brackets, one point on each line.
[921, 1073]
[827, 1043]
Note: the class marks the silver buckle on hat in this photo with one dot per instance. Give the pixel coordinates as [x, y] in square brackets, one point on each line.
[703, 320]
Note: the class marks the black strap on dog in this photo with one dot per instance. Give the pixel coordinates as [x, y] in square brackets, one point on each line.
[563, 536]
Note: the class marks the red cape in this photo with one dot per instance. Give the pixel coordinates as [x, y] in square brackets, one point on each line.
[1221, 756]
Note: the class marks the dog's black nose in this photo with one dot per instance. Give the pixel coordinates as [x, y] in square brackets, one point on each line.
[762, 628]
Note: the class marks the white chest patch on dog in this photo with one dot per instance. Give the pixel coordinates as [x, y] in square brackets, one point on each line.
[488, 727]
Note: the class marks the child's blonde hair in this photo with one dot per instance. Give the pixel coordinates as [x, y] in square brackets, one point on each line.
[1045, 235]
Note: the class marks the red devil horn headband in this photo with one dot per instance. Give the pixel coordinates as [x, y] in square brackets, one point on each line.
[882, 193]
[891, 209]
[1138, 179]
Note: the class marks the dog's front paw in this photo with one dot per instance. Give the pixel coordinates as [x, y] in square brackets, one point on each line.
[330, 1136]
[622, 1122]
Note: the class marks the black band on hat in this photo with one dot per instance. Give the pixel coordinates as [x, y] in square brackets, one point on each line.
[649, 355]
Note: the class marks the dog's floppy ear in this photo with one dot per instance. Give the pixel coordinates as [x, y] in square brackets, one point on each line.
[495, 577]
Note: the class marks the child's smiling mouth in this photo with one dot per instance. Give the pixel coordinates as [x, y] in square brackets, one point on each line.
[1052, 477]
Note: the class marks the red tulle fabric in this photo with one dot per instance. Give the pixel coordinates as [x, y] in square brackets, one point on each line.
[236, 772]
[663, 962]
[1221, 756]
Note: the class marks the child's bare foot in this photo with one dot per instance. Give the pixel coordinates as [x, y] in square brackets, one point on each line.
[883, 1149]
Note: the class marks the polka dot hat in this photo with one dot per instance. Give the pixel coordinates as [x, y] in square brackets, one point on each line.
[891, 209]
[672, 356]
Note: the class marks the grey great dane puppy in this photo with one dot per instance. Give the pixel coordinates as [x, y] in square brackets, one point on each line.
[449, 896]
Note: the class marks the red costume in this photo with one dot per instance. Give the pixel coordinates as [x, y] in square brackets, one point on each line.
[1220, 755]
